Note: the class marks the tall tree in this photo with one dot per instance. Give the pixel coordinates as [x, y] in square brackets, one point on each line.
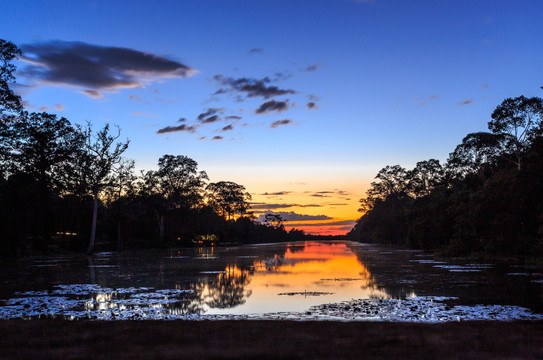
[177, 184]
[517, 119]
[102, 154]
[41, 145]
[426, 176]
[228, 198]
[476, 151]
[9, 101]
[393, 182]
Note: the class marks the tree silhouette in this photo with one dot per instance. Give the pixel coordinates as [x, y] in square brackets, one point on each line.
[9, 101]
[102, 153]
[517, 119]
[228, 198]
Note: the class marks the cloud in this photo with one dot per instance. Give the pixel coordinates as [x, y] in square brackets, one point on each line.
[265, 206]
[272, 105]
[92, 94]
[333, 223]
[137, 99]
[210, 115]
[97, 68]
[252, 87]
[278, 123]
[217, 138]
[233, 117]
[311, 105]
[43, 108]
[180, 128]
[465, 102]
[137, 113]
[292, 216]
[255, 51]
[278, 193]
[313, 67]
[484, 86]
[59, 107]
[228, 127]
[182, 119]
[210, 119]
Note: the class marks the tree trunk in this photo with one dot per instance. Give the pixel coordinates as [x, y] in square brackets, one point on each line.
[93, 228]
[160, 220]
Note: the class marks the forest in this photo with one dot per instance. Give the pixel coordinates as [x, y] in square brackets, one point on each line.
[64, 186]
[485, 201]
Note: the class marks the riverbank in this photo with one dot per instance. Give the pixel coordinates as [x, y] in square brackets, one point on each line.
[58, 339]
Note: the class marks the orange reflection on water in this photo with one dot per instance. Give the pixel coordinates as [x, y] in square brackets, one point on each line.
[308, 274]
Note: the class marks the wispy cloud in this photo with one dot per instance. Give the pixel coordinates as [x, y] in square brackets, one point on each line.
[228, 128]
[292, 216]
[311, 105]
[255, 51]
[272, 105]
[137, 113]
[217, 138]
[180, 128]
[251, 87]
[313, 67]
[465, 102]
[278, 123]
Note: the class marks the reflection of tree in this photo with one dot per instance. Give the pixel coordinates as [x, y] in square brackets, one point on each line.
[227, 290]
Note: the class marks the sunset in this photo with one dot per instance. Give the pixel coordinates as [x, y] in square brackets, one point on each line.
[303, 99]
[327, 162]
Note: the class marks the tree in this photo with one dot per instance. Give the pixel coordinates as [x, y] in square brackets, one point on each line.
[517, 120]
[41, 145]
[393, 182]
[9, 101]
[180, 181]
[228, 198]
[100, 157]
[476, 151]
[426, 176]
[177, 184]
[274, 220]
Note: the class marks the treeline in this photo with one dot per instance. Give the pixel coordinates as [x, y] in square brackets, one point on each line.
[63, 185]
[486, 200]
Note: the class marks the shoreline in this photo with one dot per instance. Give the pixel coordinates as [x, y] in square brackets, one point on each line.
[230, 339]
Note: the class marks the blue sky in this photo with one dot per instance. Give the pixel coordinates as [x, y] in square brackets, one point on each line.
[344, 87]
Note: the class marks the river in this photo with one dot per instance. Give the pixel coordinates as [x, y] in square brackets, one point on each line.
[339, 280]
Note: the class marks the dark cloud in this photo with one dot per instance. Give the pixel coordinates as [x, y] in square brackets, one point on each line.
[97, 68]
[272, 105]
[210, 115]
[333, 223]
[292, 216]
[465, 102]
[311, 105]
[280, 123]
[180, 128]
[182, 119]
[228, 127]
[255, 51]
[278, 193]
[210, 120]
[265, 206]
[233, 117]
[252, 87]
[217, 138]
[313, 67]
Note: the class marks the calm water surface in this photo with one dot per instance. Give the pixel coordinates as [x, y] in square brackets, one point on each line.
[268, 281]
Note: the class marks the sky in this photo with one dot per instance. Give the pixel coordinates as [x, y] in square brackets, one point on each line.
[302, 102]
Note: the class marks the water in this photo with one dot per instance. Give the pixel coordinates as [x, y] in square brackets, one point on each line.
[305, 281]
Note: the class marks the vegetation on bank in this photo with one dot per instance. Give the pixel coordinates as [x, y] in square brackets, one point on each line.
[486, 200]
[63, 185]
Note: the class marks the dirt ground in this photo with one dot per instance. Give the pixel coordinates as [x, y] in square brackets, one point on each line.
[58, 339]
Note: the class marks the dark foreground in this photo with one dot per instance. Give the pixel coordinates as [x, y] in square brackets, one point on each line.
[55, 339]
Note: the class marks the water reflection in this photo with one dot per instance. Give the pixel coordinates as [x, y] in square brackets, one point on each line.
[261, 280]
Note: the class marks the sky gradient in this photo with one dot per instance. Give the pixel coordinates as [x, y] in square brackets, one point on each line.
[302, 102]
